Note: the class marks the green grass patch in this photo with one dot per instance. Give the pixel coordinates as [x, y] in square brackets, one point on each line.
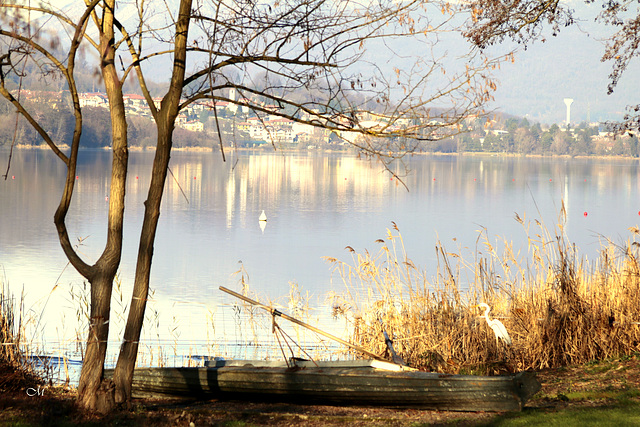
[611, 394]
[620, 415]
[599, 369]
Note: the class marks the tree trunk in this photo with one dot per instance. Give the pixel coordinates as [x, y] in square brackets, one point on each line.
[123, 374]
[93, 392]
[165, 122]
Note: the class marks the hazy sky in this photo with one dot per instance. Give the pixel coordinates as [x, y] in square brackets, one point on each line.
[567, 66]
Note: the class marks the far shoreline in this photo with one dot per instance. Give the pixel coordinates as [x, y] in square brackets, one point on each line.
[349, 152]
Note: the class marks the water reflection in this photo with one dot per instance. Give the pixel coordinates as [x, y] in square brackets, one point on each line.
[317, 204]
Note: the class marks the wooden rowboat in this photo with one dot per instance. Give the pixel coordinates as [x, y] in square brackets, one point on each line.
[361, 382]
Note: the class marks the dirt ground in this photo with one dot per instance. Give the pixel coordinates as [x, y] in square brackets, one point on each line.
[595, 384]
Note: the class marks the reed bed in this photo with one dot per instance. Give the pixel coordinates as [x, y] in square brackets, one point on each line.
[9, 329]
[558, 307]
[15, 373]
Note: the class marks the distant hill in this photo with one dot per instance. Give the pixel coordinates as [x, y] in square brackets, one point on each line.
[567, 66]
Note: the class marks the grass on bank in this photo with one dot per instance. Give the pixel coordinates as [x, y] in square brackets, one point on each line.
[559, 308]
[9, 329]
[15, 374]
[615, 416]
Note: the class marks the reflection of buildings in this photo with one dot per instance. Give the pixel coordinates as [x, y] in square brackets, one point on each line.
[230, 193]
[185, 184]
[311, 183]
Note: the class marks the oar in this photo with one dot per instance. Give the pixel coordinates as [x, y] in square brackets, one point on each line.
[275, 312]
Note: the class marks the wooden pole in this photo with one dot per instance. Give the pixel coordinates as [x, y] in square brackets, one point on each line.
[275, 312]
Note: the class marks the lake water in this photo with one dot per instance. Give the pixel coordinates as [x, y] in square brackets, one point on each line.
[316, 203]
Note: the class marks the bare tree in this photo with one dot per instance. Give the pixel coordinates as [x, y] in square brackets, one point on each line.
[308, 54]
[494, 21]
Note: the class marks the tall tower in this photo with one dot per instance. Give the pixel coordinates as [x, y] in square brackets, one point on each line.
[568, 102]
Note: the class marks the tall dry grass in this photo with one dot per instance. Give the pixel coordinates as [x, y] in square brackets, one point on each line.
[10, 330]
[558, 307]
[15, 374]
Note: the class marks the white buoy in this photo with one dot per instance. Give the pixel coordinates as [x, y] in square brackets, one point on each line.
[263, 216]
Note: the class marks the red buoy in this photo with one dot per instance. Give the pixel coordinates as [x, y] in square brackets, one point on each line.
[585, 214]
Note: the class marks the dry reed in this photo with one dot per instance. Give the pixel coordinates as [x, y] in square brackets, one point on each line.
[558, 308]
[9, 329]
[16, 374]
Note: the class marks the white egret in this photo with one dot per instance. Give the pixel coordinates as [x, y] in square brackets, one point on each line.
[263, 216]
[498, 328]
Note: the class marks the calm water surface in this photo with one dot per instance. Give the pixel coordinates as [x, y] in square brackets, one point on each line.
[316, 204]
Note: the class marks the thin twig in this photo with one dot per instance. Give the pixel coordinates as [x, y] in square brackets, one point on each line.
[179, 186]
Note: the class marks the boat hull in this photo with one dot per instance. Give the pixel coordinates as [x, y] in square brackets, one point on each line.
[341, 385]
